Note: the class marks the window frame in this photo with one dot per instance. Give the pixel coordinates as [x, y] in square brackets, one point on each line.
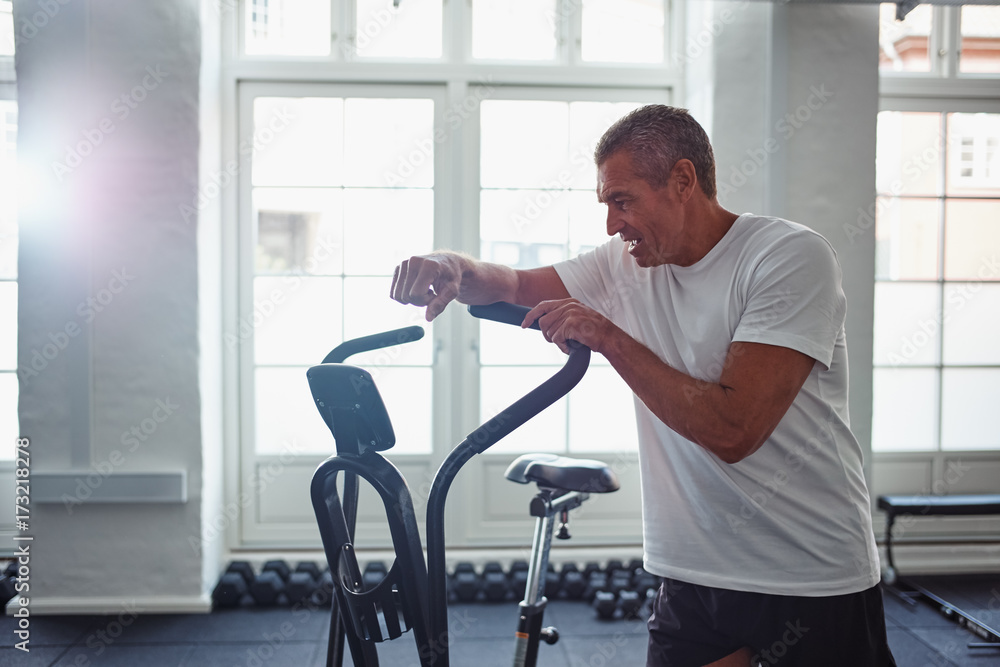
[935, 472]
[456, 215]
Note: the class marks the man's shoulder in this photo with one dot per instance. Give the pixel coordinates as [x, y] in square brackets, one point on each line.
[768, 233]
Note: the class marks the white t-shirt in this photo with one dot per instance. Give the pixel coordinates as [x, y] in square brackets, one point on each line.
[793, 518]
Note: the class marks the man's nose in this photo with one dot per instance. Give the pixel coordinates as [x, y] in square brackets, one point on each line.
[614, 225]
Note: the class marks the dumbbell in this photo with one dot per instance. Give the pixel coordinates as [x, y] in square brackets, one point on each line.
[519, 578]
[630, 603]
[596, 581]
[618, 580]
[465, 582]
[643, 581]
[494, 582]
[302, 583]
[573, 583]
[8, 589]
[323, 595]
[233, 584]
[270, 583]
[553, 583]
[605, 604]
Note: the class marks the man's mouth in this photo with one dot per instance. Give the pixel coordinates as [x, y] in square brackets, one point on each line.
[632, 243]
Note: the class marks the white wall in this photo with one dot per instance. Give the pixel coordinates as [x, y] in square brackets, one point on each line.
[109, 113]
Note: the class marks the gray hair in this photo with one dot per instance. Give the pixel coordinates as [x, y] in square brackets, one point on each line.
[656, 137]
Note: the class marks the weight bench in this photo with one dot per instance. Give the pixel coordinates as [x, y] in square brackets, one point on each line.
[927, 505]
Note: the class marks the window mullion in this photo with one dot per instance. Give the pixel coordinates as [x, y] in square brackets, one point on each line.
[951, 40]
[571, 31]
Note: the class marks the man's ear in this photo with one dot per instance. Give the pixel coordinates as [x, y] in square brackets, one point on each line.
[685, 178]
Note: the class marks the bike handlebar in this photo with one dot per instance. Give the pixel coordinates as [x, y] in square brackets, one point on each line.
[373, 342]
[501, 311]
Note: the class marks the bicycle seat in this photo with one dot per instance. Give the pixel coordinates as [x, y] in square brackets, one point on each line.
[562, 472]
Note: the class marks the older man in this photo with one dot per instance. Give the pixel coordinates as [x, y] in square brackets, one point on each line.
[729, 329]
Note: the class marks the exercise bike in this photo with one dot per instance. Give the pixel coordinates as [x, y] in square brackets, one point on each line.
[413, 594]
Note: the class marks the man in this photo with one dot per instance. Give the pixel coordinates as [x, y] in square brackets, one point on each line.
[730, 331]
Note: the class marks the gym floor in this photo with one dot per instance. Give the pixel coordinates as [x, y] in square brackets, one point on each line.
[253, 637]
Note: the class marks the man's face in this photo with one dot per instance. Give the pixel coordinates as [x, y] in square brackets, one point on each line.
[651, 220]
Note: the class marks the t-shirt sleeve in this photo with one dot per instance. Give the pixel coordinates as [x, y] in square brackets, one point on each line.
[587, 277]
[795, 298]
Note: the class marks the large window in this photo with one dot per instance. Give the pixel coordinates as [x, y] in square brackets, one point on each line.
[537, 207]
[937, 295]
[370, 132]
[333, 209]
[8, 238]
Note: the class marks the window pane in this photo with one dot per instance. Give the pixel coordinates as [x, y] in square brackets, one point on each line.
[588, 226]
[980, 39]
[411, 30]
[299, 230]
[906, 239]
[297, 141]
[969, 415]
[296, 319]
[9, 429]
[382, 227]
[523, 143]
[502, 344]
[971, 239]
[907, 323]
[974, 154]
[286, 417]
[368, 309]
[389, 142]
[972, 323]
[905, 409]
[514, 29]
[6, 28]
[588, 121]
[524, 228]
[8, 188]
[406, 393]
[8, 326]
[602, 414]
[501, 387]
[908, 153]
[904, 45]
[276, 27]
[623, 31]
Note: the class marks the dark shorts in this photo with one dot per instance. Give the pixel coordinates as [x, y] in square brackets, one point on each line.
[695, 625]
